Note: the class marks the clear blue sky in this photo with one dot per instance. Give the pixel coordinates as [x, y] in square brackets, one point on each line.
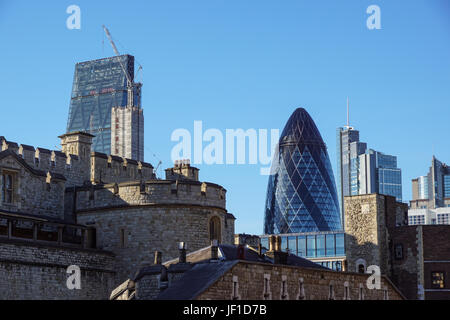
[242, 64]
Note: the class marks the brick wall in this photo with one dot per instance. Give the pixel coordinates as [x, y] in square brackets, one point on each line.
[316, 284]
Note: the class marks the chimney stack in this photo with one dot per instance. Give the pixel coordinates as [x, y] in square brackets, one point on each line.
[241, 252]
[182, 247]
[214, 250]
[275, 252]
[158, 257]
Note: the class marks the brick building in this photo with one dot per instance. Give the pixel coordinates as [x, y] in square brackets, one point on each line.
[229, 272]
[415, 258]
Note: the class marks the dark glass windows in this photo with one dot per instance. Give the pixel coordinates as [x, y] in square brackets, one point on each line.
[98, 86]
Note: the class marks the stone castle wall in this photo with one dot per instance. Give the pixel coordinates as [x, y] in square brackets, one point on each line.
[33, 271]
[136, 193]
[77, 170]
[135, 219]
[135, 233]
[33, 191]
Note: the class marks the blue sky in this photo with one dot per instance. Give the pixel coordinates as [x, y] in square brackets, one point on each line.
[241, 64]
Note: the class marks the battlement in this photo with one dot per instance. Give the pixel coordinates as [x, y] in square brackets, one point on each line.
[149, 193]
[114, 169]
[80, 167]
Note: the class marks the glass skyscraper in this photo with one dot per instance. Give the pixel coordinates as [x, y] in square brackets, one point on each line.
[301, 193]
[363, 171]
[98, 86]
[433, 190]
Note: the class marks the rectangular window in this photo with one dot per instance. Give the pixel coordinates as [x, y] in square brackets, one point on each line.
[437, 280]
[292, 245]
[7, 188]
[340, 244]
[284, 244]
[302, 246]
[320, 241]
[311, 246]
[330, 243]
[123, 238]
[398, 251]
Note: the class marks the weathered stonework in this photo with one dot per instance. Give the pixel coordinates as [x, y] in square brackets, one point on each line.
[377, 234]
[78, 198]
[31, 271]
[137, 220]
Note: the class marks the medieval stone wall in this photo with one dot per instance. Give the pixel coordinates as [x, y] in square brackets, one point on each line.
[33, 271]
[31, 192]
[135, 233]
[362, 227]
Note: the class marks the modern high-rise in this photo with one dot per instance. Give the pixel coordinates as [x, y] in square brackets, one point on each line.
[433, 190]
[98, 87]
[301, 193]
[364, 171]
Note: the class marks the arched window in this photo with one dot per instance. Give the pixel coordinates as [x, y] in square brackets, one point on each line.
[361, 268]
[346, 291]
[215, 229]
[301, 289]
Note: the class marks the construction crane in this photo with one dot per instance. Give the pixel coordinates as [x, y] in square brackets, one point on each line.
[129, 81]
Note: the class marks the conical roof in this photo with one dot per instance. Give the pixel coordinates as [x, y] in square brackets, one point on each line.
[300, 128]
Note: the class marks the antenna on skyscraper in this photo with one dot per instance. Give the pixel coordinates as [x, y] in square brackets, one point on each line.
[348, 116]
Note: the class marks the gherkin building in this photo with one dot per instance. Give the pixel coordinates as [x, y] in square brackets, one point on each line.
[301, 194]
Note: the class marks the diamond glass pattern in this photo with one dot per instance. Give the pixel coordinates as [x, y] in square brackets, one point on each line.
[301, 194]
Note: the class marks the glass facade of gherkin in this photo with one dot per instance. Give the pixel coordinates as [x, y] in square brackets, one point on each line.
[301, 194]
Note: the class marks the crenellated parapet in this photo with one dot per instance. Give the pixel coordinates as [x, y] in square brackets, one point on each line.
[114, 169]
[150, 193]
[78, 164]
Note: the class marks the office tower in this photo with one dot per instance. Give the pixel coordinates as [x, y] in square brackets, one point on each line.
[433, 190]
[348, 150]
[98, 86]
[378, 173]
[364, 171]
[301, 193]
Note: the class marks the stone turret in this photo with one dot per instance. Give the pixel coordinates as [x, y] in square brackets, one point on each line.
[79, 144]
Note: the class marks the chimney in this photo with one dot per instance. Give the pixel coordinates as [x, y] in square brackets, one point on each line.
[182, 248]
[259, 249]
[214, 250]
[158, 257]
[272, 242]
[241, 252]
[275, 252]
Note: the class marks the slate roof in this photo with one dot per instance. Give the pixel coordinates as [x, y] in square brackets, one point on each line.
[229, 252]
[193, 282]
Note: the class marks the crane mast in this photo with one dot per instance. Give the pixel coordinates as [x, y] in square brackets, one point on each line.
[129, 81]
